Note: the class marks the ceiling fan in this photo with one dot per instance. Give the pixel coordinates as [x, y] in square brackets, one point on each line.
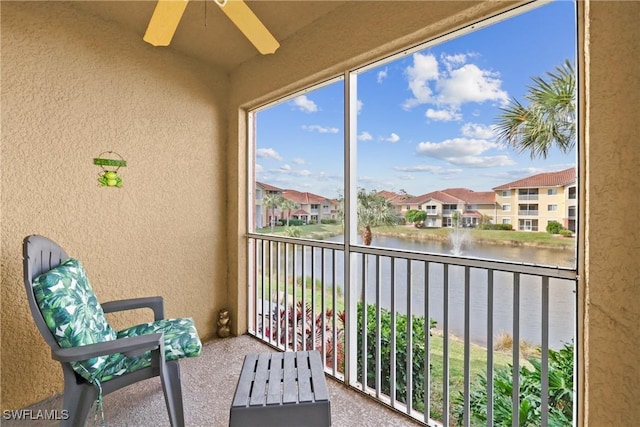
[167, 15]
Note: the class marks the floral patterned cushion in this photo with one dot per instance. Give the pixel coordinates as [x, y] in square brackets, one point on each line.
[75, 317]
[180, 340]
[72, 312]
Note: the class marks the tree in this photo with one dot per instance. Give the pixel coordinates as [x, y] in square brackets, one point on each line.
[373, 211]
[549, 118]
[415, 216]
[287, 205]
[272, 201]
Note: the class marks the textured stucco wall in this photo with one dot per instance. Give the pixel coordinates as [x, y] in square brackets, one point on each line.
[612, 267]
[72, 87]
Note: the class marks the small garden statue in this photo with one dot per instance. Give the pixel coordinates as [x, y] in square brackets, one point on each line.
[224, 322]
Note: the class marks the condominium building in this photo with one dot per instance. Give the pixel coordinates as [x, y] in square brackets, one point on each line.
[473, 207]
[264, 215]
[529, 204]
[309, 207]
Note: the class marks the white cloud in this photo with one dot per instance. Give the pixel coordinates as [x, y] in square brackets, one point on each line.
[359, 105]
[437, 170]
[470, 84]
[406, 177]
[476, 130]
[286, 168]
[456, 147]
[320, 129]
[365, 136]
[482, 161]
[268, 153]
[298, 161]
[448, 87]
[393, 138]
[302, 172]
[324, 176]
[451, 61]
[443, 115]
[303, 103]
[381, 75]
[464, 152]
[258, 168]
[423, 70]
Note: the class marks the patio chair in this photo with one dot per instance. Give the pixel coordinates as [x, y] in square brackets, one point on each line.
[96, 360]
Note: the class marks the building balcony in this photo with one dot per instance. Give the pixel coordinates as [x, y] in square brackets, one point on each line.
[528, 213]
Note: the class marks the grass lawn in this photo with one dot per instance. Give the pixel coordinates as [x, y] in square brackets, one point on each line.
[456, 369]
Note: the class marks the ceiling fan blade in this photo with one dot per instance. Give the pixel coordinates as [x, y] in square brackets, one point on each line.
[164, 21]
[250, 25]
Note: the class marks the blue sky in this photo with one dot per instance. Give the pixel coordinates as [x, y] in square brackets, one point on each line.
[424, 121]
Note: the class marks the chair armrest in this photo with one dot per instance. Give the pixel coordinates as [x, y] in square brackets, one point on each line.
[154, 303]
[130, 346]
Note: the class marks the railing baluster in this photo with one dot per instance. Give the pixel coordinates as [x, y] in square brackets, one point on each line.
[445, 346]
[303, 307]
[272, 260]
[515, 407]
[364, 332]
[467, 347]
[409, 366]
[427, 346]
[291, 326]
[274, 314]
[392, 362]
[489, 348]
[544, 359]
[291, 249]
[323, 308]
[314, 344]
[335, 317]
[265, 272]
[378, 328]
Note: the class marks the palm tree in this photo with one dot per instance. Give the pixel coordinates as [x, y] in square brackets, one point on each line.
[373, 211]
[549, 118]
[287, 205]
[272, 200]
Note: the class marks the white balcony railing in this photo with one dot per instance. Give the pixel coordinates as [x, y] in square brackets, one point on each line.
[301, 297]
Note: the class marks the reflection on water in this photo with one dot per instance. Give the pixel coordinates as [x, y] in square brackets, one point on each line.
[562, 298]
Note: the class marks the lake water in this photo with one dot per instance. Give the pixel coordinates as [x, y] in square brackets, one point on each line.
[562, 297]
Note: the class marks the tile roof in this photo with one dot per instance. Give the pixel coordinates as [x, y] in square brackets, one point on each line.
[303, 198]
[269, 187]
[547, 179]
[470, 196]
[394, 198]
[434, 195]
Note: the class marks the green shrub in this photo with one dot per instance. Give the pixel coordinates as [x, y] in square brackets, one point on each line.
[292, 231]
[328, 221]
[418, 350]
[566, 233]
[296, 222]
[504, 227]
[560, 393]
[554, 227]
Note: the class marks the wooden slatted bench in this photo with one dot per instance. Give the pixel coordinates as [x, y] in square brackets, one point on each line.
[281, 389]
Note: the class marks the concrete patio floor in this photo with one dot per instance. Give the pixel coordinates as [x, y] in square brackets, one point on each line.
[208, 384]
